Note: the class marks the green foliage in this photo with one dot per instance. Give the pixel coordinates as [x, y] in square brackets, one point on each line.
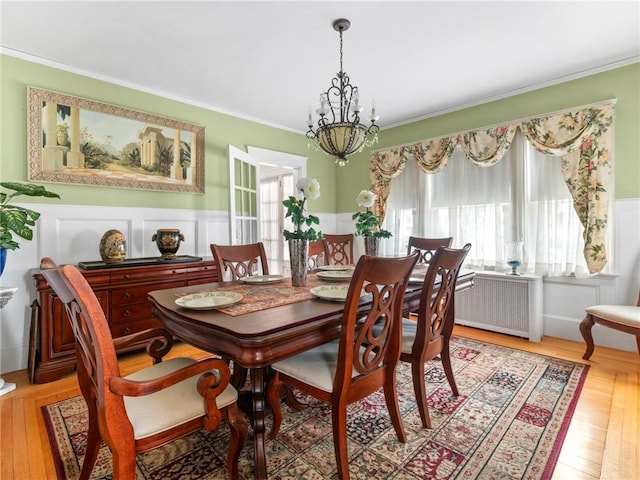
[16, 219]
[368, 225]
[295, 210]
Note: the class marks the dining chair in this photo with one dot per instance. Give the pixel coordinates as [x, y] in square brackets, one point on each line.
[316, 254]
[429, 336]
[338, 249]
[624, 318]
[427, 246]
[240, 260]
[151, 406]
[358, 363]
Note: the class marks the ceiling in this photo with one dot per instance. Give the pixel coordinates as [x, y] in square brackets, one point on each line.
[268, 61]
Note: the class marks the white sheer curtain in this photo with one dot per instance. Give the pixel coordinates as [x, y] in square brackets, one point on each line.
[523, 197]
[553, 231]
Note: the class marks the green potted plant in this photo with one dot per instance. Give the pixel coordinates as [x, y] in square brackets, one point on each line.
[16, 219]
[367, 224]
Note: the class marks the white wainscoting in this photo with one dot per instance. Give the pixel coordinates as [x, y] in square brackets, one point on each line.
[71, 234]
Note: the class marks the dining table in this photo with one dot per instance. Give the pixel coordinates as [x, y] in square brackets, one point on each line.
[273, 320]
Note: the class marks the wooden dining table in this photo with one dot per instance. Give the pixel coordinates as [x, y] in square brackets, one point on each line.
[279, 322]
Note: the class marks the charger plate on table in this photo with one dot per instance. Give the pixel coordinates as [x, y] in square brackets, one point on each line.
[336, 276]
[335, 293]
[208, 300]
[262, 279]
[335, 268]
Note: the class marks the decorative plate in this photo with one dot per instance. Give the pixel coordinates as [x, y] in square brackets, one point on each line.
[335, 293]
[208, 300]
[262, 279]
[335, 268]
[336, 276]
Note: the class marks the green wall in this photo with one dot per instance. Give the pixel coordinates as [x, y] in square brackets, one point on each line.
[622, 83]
[339, 186]
[220, 131]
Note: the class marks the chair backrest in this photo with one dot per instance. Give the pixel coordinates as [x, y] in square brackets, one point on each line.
[435, 314]
[427, 246]
[316, 254]
[338, 249]
[361, 349]
[96, 354]
[240, 260]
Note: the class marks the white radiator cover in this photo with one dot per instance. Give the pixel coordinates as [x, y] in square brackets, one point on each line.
[503, 303]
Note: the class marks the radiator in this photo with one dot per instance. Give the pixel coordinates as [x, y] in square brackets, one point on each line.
[503, 303]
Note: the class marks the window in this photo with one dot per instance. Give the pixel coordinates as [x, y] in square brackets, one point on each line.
[522, 197]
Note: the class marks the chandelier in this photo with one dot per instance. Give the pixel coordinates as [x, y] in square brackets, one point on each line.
[339, 132]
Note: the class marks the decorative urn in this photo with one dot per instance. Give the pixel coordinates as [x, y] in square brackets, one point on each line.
[168, 241]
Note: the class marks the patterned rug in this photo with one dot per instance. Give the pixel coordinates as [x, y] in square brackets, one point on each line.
[509, 422]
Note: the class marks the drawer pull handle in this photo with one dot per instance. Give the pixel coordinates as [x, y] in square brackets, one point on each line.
[126, 331]
[126, 313]
[126, 276]
[126, 296]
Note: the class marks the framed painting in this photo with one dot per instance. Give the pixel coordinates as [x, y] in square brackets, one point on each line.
[81, 141]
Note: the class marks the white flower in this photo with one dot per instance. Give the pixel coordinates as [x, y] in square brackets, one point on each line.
[366, 199]
[309, 187]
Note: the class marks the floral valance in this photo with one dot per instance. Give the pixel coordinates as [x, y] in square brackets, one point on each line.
[583, 139]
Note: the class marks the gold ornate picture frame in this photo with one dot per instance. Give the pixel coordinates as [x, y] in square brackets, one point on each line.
[81, 141]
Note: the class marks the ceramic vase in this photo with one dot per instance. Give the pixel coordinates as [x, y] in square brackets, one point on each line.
[299, 258]
[113, 247]
[3, 259]
[371, 246]
[168, 241]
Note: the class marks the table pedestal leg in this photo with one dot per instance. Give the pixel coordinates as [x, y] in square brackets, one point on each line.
[258, 407]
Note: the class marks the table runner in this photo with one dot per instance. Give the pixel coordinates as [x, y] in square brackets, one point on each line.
[260, 297]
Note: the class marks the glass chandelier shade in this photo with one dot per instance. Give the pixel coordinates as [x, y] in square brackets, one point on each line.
[339, 131]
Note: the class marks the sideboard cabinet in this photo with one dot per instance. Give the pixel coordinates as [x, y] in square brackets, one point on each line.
[122, 292]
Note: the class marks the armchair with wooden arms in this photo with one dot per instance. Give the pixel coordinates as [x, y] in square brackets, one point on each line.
[338, 249]
[360, 362]
[240, 260]
[149, 407]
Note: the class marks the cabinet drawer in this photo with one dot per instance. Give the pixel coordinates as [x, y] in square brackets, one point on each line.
[146, 274]
[130, 313]
[128, 328]
[135, 294]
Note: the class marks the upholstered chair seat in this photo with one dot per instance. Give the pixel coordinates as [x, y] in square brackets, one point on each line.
[157, 412]
[625, 318]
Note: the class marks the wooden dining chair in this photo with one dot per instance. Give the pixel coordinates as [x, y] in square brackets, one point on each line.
[427, 246]
[338, 249]
[360, 362]
[624, 318]
[240, 260]
[147, 408]
[316, 254]
[429, 336]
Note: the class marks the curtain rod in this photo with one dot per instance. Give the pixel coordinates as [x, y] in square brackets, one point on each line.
[519, 120]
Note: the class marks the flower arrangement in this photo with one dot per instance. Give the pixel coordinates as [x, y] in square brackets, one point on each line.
[367, 224]
[310, 189]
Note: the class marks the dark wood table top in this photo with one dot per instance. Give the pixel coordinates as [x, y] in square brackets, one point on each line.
[260, 338]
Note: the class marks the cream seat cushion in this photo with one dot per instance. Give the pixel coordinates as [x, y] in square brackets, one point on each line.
[154, 413]
[316, 367]
[622, 314]
[409, 328]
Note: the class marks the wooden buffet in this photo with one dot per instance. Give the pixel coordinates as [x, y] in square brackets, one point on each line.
[123, 292]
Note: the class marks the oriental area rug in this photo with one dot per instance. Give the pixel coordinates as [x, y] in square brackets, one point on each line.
[508, 422]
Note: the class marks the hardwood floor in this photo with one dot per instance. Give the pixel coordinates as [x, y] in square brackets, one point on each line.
[602, 442]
